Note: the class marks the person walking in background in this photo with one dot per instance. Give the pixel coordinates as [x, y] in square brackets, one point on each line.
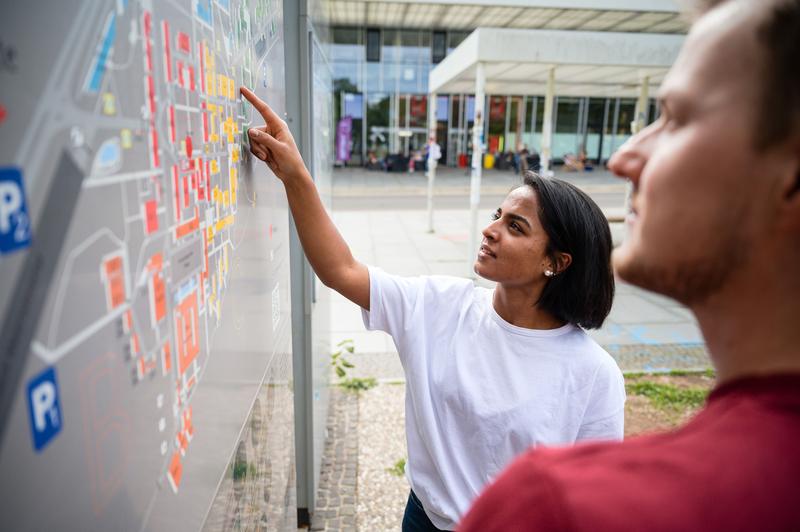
[489, 373]
[715, 224]
[434, 154]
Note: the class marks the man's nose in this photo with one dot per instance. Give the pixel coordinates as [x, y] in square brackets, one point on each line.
[630, 159]
[627, 162]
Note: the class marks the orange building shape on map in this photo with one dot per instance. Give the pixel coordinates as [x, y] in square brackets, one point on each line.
[114, 278]
[157, 289]
[187, 331]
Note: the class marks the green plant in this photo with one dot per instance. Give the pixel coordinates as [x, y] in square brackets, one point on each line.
[398, 469]
[666, 396]
[357, 384]
[338, 361]
[684, 373]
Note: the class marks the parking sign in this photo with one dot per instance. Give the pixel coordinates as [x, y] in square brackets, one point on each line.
[44, 408]
[15, 225]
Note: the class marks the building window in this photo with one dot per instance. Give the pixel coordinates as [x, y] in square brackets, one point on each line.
[439, 46]
[373, 45]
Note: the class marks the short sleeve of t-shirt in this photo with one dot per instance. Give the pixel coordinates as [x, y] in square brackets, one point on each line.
[399, 305]
[604, 414]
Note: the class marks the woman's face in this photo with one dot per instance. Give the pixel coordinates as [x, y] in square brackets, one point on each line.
[512, 252]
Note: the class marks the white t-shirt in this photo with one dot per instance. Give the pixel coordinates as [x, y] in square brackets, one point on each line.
[434, 152]
[480, 391]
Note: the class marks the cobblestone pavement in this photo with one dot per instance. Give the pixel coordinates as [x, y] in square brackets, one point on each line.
[338, 483]
[382, 489]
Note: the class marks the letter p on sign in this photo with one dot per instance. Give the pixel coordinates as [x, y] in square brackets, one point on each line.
[43, 408]
[15, 224]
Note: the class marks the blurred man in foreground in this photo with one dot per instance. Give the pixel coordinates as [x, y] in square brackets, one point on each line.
[715, 224]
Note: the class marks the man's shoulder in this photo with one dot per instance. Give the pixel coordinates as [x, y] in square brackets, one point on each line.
[720, 471]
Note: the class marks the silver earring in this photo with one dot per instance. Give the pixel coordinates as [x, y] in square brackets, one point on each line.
[549, 273]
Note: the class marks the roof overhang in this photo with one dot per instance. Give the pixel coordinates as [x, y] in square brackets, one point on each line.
[587, 63]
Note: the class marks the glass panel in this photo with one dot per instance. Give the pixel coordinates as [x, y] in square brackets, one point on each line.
[391, 46]
[373, 45]
[346, 76]
[378, 124]
[418, 111]
[594, 127]
[528, 115]
[539, 114]
[564, 138]
[374, 77]
[454, 38]
[441, 108]
[353, 105]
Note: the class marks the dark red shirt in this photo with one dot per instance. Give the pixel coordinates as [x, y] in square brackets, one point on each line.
[734, 466]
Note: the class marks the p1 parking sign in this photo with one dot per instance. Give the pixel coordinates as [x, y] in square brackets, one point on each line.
[44, 408]
[15, 225]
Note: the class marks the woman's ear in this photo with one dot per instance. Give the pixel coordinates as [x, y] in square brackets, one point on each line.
[562, 262]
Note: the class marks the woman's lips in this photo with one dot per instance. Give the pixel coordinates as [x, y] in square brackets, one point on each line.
[484, 251]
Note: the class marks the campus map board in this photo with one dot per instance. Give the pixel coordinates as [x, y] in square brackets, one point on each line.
[154, 393]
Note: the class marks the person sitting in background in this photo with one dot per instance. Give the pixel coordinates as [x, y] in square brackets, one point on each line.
[575, 163]
[715, 224]
[372, 161]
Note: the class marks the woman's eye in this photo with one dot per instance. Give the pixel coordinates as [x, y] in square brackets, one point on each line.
[515, 226]
[494, 216]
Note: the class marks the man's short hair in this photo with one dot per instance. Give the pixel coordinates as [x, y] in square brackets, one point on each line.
[779, 35]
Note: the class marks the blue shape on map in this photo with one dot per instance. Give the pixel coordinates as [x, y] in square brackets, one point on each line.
[44, 408]
[204, 11]
[15, 225]
[109, 154]
[99, 67]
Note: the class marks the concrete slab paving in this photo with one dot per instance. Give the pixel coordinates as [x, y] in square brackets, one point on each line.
[398, 242]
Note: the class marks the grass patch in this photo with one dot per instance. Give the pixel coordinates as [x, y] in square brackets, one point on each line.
[398, 469]
[684, 373]
[666, 396]
[357, 384]
[673, 373]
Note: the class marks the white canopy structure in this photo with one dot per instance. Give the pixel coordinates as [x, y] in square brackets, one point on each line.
[503, 61]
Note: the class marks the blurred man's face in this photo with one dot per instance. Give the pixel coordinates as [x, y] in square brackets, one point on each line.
[698, 198]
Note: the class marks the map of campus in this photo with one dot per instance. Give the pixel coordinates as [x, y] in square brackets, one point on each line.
[146, 94]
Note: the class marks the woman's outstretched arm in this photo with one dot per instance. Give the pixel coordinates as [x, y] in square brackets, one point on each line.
[325, 248]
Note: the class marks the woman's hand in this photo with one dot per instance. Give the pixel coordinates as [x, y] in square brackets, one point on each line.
[273, 143]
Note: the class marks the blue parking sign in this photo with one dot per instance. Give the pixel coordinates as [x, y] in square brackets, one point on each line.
[43, 408]
[15, 224]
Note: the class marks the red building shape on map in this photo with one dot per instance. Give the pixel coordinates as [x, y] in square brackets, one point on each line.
[187, 331]
[114, 277]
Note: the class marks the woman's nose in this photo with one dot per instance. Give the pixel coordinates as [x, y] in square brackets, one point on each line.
[490, 231]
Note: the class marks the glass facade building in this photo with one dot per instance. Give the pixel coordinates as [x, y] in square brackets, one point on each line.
[380, 79]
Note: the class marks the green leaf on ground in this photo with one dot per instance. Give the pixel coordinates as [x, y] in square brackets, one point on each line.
[358, 384]
[398, 469]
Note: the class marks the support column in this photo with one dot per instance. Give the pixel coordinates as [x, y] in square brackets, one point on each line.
[431, 171]
[642, 106]
[477, 164]
[547, 123]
